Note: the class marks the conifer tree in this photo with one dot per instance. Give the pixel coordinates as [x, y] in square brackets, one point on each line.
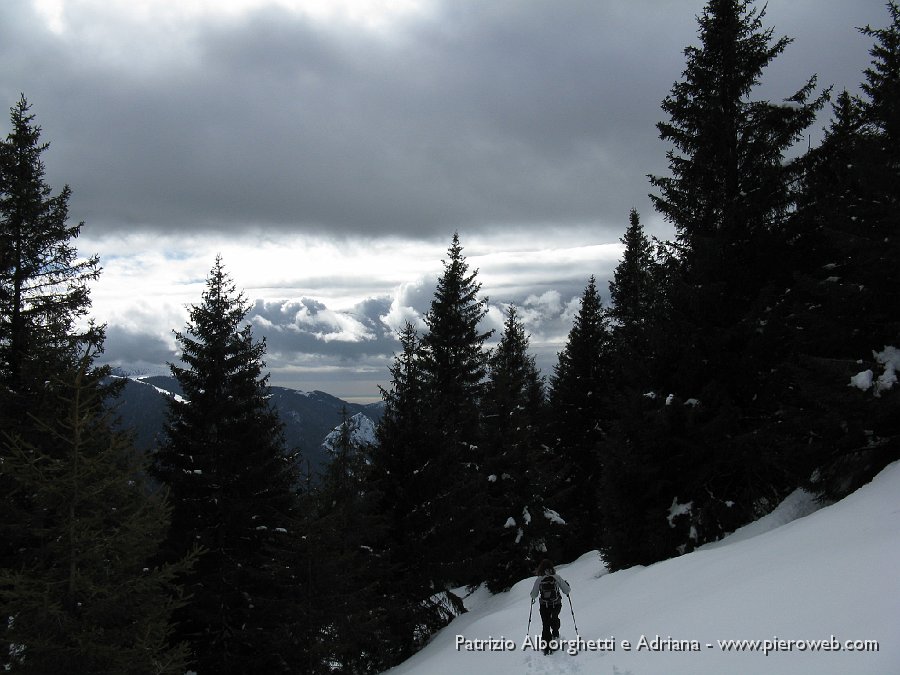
[350, 572]
[840, 312]
[454, 366]
[44, 291]
[637, 308]
[514, 411]
[730, 188]
[400, 432]
[729, 197]
[82, 594]
[77, 588]
[233, 488]
[637, 453]
[881, 87]
[413, 611]
[454, 358]
[580, 406]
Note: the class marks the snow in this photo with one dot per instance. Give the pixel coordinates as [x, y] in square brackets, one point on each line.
[678, 510]
[889, 357]
[553, 517]
[362, 432]
[805, 582]
[862, 380]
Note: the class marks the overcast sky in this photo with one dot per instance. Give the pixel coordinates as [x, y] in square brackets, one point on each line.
[328, 149]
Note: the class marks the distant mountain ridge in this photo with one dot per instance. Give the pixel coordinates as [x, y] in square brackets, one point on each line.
[309, 417]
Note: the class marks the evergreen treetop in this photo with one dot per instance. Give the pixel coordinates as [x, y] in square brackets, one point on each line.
[44, 285]
[730, 187]
[455, 361]
[234, 491]
[882, 83]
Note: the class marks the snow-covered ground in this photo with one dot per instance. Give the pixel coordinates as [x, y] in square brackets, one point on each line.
[809, 586]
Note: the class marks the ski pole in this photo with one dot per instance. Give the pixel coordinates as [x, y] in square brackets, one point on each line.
[572, 609]
[530, 609]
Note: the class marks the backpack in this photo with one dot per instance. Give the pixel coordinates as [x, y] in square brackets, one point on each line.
[549, 592]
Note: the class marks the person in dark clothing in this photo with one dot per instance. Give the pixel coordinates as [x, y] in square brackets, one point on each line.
[548, 586]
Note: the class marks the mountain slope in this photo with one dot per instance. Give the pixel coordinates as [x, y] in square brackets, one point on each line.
[829, 575]
[308, 417]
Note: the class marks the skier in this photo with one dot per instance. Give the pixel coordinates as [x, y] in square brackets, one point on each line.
[548, 586]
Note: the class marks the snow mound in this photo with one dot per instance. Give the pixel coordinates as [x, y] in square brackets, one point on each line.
[803, 590]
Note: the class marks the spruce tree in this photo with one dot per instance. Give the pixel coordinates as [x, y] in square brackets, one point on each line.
[730, 187]
[840, 313]
[580, 401]
[400, 432]
[516, 459]
[44, 291]
[397, 480]
[637, 453]
[729, 191]
[82, 594]
[729, 196]
[881, 87]
[44, 285]
[55, 444]
[637, 309]
[350, 572]
[454, 367]
[234, 492]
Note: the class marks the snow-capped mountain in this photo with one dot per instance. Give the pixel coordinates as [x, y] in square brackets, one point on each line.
[362, 432]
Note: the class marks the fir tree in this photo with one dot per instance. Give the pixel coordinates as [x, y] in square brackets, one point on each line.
[637, 308]
[840, 311]
[81, 525]
[350, 573]
[638, 457]
[413, 611]
[233, 490]
[580, 405]
[400, 432]
[882, 84]
[515, 458]
[454, 366]
[730, 194]
[44, 292]
[82, 594]
[730, 188]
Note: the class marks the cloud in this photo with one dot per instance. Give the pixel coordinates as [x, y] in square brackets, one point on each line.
[137, 351]
[330, 156]
[307, 326]
[466, 114]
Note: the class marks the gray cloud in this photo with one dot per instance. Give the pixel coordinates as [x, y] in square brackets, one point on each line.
[136, 351]
[504, 120]
[476, 115]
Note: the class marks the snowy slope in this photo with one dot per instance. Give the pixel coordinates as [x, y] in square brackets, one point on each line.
[801, 574]
[362, 433]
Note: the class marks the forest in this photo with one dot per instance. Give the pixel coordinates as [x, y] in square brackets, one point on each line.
[754, 353]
